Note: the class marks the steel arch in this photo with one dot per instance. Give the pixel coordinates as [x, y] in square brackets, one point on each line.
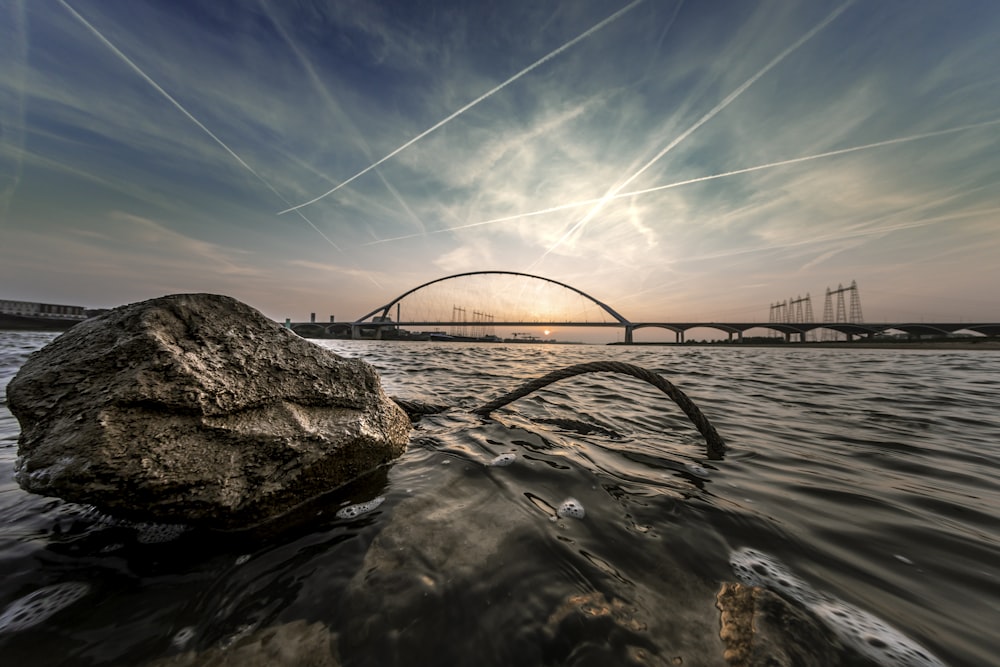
[384, 310]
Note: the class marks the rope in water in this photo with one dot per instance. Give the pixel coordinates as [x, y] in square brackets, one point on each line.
[715, 445]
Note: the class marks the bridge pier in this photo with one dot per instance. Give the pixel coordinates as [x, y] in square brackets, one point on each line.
[628, 334]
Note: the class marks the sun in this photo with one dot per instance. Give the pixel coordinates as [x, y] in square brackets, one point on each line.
[546, 332]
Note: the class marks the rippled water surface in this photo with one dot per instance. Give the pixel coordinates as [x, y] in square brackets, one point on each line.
[868, 478]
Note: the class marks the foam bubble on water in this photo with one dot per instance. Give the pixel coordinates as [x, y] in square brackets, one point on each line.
[756, 568]
[571, 507]
[243, 559]
[145, 532]
[35, 607]
[699, 470]
[865, 632]
[871, 636]
[183, 636]
[503, 460]
[157, 533]
[352, 511]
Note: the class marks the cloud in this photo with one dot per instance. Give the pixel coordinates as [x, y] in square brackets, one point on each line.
[861, 150]
[14, 53]
[489, 93]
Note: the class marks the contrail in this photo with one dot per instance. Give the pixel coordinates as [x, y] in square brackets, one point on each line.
[825, 239]
[701, 121]
[807, 158]
[128, 61]
[850, 234]
[701, 179]
[487, 94]
[341, 116]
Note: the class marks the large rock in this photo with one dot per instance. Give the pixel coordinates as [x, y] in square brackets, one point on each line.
[195, 408]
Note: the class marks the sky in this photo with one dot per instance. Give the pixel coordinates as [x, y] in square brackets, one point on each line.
[679, 161]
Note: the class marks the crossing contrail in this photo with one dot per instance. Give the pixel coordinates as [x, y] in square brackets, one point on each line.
[128, 61]
[701, 121]
[587, 33]
[702, 179]
[341, 116]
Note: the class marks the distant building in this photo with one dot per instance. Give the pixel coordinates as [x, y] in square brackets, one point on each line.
[29, 315]
[32, 309]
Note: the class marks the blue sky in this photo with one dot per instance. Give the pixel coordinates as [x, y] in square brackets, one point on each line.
[677, 160]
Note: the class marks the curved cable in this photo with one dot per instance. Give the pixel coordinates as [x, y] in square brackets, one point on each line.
[715, 446]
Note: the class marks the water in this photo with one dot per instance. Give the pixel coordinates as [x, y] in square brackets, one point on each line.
[866, 477]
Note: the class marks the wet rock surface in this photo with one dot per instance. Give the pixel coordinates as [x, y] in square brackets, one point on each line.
[761, 629]
[295, 644]
[464, 541]
[196, 409]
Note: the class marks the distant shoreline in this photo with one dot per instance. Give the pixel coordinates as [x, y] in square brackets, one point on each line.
[985, 345]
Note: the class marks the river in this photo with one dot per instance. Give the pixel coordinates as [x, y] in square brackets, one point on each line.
[866, 478]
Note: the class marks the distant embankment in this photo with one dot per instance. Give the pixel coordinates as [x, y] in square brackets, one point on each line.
[943, 343]
[35, 323]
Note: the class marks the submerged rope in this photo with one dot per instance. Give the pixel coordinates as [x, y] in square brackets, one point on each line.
[715, 445]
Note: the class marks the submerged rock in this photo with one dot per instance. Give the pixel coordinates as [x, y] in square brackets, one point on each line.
[295, 644]
[462, 570]
[761, 629]
[856, 628]
[196, 409]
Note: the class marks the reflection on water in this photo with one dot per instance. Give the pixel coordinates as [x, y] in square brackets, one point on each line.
[579, 525]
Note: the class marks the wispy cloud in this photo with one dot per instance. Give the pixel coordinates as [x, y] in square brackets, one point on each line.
[726, 101]
[701, 179]
[658, 160]
[14, 53]
[489, 93]
[159, 89]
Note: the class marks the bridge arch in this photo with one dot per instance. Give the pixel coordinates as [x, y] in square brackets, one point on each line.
[383, 311]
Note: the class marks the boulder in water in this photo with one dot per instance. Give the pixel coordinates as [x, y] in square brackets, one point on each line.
[196, 409]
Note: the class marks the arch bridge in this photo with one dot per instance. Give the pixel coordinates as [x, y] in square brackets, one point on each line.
[600, 314]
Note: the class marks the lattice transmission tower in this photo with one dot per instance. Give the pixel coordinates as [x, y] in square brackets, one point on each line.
[458, 321]
[800, 310]
[482, 324]
[855, 316]
[791, 311]
[778, 315]
[844, 314]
